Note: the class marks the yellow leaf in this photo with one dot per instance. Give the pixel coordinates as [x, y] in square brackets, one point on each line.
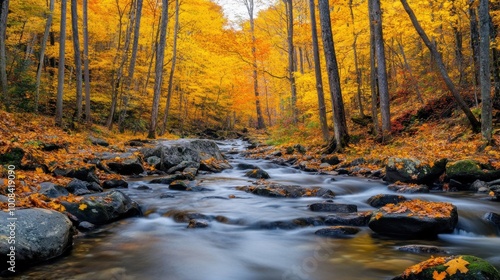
[456, 265]
[439, 275]
[492, 193]
[82, 206]
[39, 170]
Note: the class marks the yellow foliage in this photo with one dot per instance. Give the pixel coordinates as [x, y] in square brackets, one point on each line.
[455, 265]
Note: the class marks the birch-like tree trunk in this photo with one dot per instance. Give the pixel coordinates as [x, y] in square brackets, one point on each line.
[291, 60]
[4, 11]
[160, 55]
[484, 69]
[86, 71]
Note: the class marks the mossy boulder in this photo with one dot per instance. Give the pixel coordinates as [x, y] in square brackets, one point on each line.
[409, 170]
[467, 171]
[462, 267]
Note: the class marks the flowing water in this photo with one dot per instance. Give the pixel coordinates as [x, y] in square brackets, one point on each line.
[157, 247]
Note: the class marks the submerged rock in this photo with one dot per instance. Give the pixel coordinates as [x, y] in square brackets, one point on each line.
[257, 174]
[414, 219]
[422, 249]
[454, 267]
[197, 224]
[290, 224]
[337, 231]
[333, 207]
[359, 219]
[293, 191]
[408, 188]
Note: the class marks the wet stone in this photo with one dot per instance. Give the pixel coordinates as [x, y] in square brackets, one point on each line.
[197, 224]
[380, 200]
[333, 207]
[337, 231]
[422, 249]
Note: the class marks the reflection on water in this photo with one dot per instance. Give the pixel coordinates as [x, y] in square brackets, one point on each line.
[156, 247]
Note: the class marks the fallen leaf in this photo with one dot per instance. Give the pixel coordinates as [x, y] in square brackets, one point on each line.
[82, 206]
[456, 265]
[439, 275]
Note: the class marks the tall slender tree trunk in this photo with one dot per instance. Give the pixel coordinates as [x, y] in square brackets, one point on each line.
[410, 72]
[373, 73]
[78, 59]
[317, 71]
[341, 137]
[383, 87]
[4, 11]
[131, 66]
[160, 55]
[60, 77]
[172, 69]
[86, 72]
[291, 61]
[475, 124]
[356, 64]
[43, 46]
[474, 41]
[250, 9]
[484, 69]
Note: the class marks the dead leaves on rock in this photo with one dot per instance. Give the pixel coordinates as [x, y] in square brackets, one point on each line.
[419, 208]
[453, 266]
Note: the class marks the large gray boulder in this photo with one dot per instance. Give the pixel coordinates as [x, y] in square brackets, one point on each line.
[40, 235]
[179, 154]
[414, 219]
[409, 170]
[103, 208]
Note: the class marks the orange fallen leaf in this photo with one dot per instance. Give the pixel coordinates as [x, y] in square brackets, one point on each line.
[439, 275]
[456, 265]
[82, 206]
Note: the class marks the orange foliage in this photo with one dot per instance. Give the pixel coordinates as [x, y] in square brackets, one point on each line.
[419, 207]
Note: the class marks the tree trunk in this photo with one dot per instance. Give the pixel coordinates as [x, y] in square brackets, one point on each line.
[172, 69]
[60, 77]
[341, 137]
[260, 119]
[78, 59]
[408, 68]
[160, 54]
[317, 70]
[376, 18]
[484, 70]
[86, 72]
[476, 126]
[373, 74]
[291, 62]
[43, 46]
[131, 66]
[4, 11]
[356, 64]
[474, 41]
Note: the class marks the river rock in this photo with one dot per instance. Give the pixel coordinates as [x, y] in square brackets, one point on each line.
[78, 187]
[183, 216]
[290, 224]
[495, 190]
[493, 218]
[103, 208]
[408, 188]
[333, 207]
[178, 185]
[114, 183]
[380, 200]
[467, 171]
[293, 191]
[478, 186]
[414, 219]
[183, 166]
[98, 141]
[246, 166]
[197, 224]
[84, 174]
[409, 170]
[337, 231]
[422, 249]
[331, 160]
[172, 153]
[359, 219]
[85, 226]
[130, 166]
[40, 235]
[167, 180]
[52, 190]
[257, 174]
[453, 267]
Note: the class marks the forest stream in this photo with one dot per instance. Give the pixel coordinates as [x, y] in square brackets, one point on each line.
[157, 247]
